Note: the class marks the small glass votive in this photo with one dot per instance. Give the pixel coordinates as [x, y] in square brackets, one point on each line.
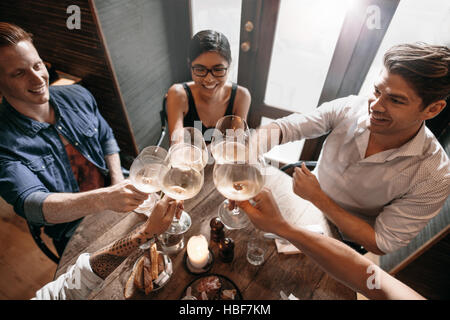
[171, 243]
[256, 251]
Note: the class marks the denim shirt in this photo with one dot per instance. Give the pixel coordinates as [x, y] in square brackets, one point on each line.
[33, 159]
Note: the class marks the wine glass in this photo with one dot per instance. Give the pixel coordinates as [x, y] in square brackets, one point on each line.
[230, 145]
[192, 136]
[144, 174]
[238, 181]
[230, 140]
[182, 178]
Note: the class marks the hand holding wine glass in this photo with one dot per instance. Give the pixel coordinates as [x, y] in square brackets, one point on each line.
[144, 174]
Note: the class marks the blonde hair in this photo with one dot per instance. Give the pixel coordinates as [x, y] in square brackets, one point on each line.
[11, 35]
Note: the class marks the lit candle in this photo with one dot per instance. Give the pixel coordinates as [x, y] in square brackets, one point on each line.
[198, 252]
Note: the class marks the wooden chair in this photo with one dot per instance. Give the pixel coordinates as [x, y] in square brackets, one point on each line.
[7, 212]
[164, 123]
[36, 235]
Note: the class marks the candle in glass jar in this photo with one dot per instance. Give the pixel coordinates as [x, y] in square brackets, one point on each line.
[197, 251]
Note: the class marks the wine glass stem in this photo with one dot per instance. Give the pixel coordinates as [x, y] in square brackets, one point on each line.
[235, 211]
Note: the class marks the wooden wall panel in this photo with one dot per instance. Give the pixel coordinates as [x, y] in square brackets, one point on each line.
[78, 52]
[135, 35]
[145, 44]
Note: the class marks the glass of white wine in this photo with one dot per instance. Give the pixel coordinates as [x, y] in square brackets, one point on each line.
[230, 148]
[144, 174]
[182, 178]
[238, 181]
[192, 136]
[230, 139]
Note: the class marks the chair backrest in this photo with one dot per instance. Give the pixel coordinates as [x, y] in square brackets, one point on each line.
[289, 168]
[7, 212]
[164, 124]
[36, 234]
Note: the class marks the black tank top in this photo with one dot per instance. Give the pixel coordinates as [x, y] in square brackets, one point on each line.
[192, 114]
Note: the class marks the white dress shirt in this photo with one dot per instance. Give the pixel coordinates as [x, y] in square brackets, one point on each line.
[396, 191]
[76, 284]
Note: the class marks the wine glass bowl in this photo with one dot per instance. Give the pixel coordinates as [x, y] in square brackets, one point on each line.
[144, 174]
[238, 182]
[230, 139]
[194, 137]
[182, 174]
[182, 178]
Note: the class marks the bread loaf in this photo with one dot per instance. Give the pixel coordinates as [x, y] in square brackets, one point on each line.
[148, 279]
[154, 261]
[139, 276]
[129, 289]
[160, 263]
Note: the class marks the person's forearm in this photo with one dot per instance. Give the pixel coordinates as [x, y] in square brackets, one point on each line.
[66, 207]
[355, 228]
[115, 170]
[347, 266]
[105, 260]
[267, 137]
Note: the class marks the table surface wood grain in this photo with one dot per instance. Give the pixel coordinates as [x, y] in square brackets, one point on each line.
[294, 273]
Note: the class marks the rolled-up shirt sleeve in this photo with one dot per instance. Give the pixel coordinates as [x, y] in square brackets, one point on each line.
[110, 147]
[404, 218]
[76, 284]
[21, 188]
[33, 208]
[315, 124]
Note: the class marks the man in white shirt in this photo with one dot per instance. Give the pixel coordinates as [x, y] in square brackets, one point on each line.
[381, 175]
[91, 269]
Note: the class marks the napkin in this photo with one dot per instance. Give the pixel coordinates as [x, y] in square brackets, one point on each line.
[284, 246]
[285, 297]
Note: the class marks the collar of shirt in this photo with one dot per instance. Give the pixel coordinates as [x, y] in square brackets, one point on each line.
[30, 126]
[413, 147]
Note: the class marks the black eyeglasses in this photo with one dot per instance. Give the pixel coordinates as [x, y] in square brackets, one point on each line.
[201, 71]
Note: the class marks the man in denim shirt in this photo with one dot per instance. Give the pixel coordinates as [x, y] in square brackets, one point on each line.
[54, 144]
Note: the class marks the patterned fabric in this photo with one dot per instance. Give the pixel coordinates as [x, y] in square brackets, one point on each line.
[397, 191]
[86, 173]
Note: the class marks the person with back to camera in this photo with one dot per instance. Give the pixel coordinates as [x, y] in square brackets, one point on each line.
[209, 96]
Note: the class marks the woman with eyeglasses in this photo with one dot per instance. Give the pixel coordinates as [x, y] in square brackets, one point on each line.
[209, 96]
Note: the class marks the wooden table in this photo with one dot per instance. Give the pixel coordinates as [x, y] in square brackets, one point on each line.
[296, 274]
